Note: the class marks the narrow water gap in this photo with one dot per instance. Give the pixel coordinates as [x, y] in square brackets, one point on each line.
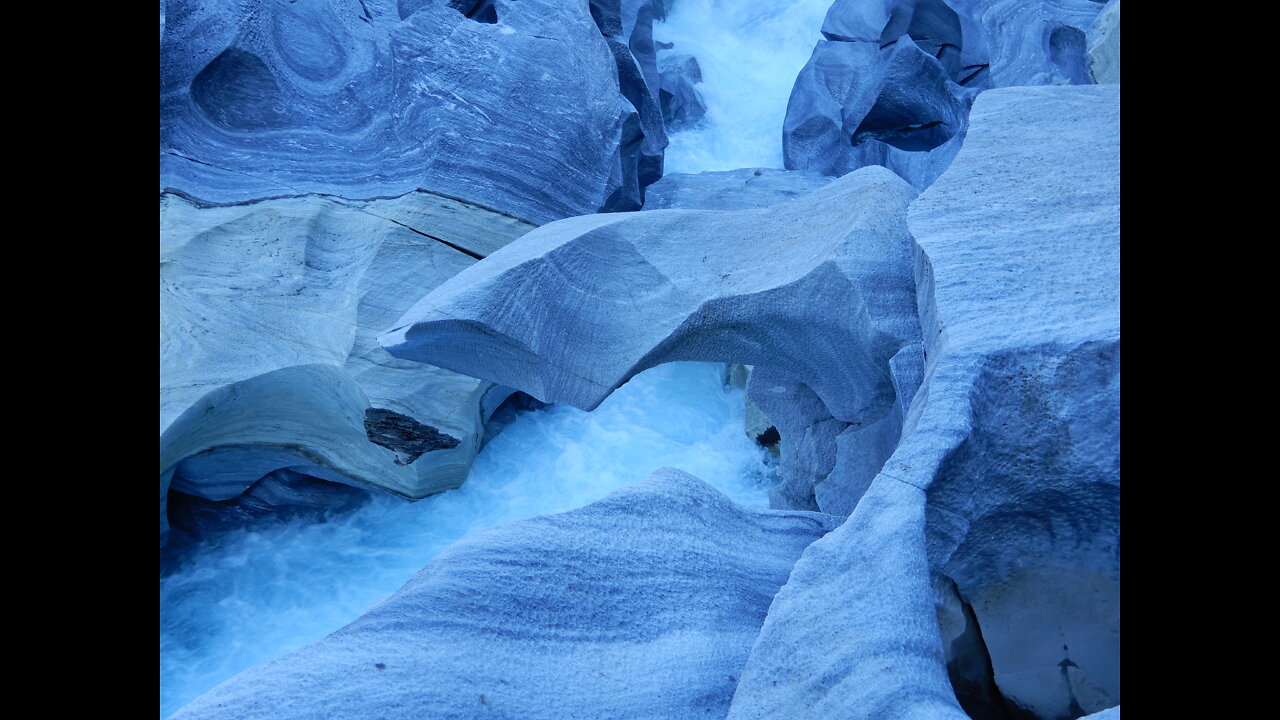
[749, 53]
[255, 594]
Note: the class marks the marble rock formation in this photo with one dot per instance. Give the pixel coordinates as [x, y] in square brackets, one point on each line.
[984, 556]
[857, 104]
[742, 189]
[817, 291]
[1104, 45]
[268, 358]
[1041, 42]
[891, 82]
[627, 26]
[642, 605]
[682, 104]
[513, 105]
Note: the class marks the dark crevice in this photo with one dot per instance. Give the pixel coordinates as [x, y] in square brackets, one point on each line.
[970, 671]
[769, 438]
[913, 137]
[1068, 54]
[1073, 705]
[479, 10]
[973, 72]
[412, 229]
[238, 91]
[506, 413]
[640, 155]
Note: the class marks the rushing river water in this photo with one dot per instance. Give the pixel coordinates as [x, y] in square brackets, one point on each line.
[258, 593]
[750, 53]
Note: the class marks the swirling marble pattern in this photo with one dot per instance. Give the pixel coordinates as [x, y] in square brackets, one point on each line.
[369, 98]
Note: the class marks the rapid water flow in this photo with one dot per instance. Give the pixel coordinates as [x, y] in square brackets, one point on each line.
[257, 594]
[750, 53]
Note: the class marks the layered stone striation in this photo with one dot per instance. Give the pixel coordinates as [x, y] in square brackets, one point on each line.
[268, 314]
[535, 108]
[817, 291]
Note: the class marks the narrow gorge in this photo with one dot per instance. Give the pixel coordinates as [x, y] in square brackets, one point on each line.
[640, 359]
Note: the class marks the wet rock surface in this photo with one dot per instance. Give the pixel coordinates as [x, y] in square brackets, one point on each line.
[641, 605]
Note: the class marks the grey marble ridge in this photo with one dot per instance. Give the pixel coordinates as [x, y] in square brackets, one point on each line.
[641, 605]
[942, 367]
[293, 136]
[1104, 44]
[979, 566]
[1006, 481]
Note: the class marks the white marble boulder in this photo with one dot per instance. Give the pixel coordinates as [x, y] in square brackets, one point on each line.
[268, 358]
[512, 105]
[817, 290]
[642, 605]
[984, 557]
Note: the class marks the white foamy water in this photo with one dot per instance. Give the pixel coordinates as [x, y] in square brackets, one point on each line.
[750, 52]
[259, 594]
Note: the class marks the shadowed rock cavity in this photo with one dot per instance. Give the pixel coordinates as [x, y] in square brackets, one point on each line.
[478, 10]
[281, 495]
[237, 90]
[968, 662]
[815, 292]
[1068, 55]
[865, 99]
[856, 104]
[506, 412]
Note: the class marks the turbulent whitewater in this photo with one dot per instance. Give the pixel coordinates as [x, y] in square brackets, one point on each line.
[259, 593]
[750, 54]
